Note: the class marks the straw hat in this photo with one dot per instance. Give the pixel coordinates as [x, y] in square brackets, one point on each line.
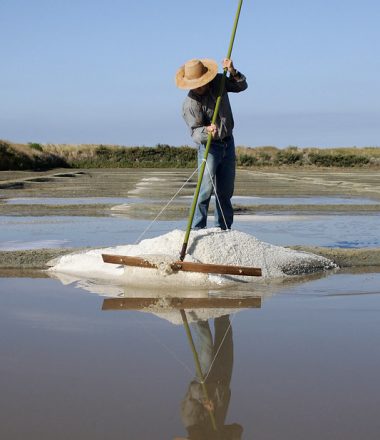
[196, 73]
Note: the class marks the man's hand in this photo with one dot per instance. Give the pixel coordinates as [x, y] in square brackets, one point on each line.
[208, 405]
[229, 65]
[213, 129]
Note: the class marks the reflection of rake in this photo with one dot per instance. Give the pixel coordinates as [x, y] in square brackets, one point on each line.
[190, 266]
[181, 303]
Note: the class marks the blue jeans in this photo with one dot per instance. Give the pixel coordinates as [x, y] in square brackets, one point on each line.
[222, 346]
[221, 165]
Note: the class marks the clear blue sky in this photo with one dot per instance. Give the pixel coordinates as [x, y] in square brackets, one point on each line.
[102, 71]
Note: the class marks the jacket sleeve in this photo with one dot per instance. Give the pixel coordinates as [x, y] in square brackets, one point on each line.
[237, 83]
[193, 116]
[192, 410]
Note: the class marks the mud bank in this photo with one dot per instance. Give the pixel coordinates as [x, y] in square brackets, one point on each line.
[11, 261]
[32, 258]
[20, 210]
[149, 211]
[346, 257]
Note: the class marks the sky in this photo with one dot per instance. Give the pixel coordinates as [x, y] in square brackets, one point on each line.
[102, 71]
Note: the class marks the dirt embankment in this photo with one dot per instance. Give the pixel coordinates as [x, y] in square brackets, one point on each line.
[37, 259]
[32, 258]
[346, 257]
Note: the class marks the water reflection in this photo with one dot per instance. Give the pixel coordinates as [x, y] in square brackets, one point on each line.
[122, 296]
[205, 405]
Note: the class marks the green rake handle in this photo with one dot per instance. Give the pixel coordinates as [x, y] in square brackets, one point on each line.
[209, 138]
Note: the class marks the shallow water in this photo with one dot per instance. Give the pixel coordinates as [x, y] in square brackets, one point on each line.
[305, 365]
[71, 200]
[43, 232]
[345, 231]
[243, 200]
[63, 231]
[312, 200]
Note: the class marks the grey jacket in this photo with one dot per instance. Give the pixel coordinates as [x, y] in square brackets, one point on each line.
[197, 110]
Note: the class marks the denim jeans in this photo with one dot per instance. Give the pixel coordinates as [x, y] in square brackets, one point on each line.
[222, 347]
[220, 169]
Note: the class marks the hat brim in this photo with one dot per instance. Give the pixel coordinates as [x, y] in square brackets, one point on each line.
[189, 84]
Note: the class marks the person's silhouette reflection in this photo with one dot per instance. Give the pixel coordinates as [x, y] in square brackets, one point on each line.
[195, 409]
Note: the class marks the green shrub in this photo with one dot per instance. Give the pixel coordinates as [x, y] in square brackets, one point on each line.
[337, 159]
[35, 146]
[289, 156]
[246, 160]
[265, 158]
[102, 151]
[160, 156]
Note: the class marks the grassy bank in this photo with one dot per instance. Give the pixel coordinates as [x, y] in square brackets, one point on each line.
[317, 157]
[34, 156]
[28, 157]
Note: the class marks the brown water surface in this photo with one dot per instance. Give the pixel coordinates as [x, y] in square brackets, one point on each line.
[303, 366]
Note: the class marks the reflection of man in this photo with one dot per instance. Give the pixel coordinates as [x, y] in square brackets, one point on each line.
[195, 409]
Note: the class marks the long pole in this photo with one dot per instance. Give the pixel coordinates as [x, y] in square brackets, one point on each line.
[209, 138]
[197, 365]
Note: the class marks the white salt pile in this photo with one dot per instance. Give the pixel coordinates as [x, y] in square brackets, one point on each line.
[205, 246]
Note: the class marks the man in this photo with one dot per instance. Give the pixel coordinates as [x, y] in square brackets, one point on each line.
[202, 79]
[216, 361]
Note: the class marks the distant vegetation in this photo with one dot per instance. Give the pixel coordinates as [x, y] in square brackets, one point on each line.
[35, 156]
[104, 156]
[28, 157]
[318, 157]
